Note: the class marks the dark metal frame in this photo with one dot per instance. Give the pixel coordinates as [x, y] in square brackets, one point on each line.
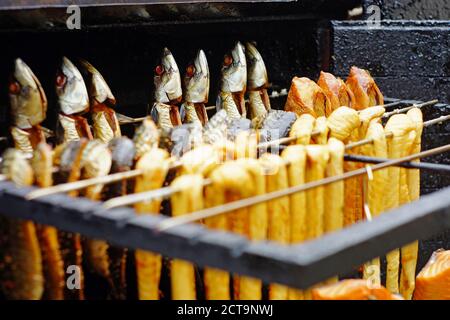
[298, 265]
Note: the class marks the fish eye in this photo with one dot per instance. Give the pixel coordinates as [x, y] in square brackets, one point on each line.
[190, 70]
[227, 60]
[159, 70]
[60, 80]
[14, 87]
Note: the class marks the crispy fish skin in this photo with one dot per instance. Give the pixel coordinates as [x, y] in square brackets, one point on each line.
[196, 82]
[233, 83]
[433, 281]
[376, 198]
[400, 125]
[342, 122]
[352, 289]
[68, 157]
[230, 182]
[257, 82]
[409, 252]
[257, 222]
[27, 97]
[146, 137]
[71, 90]
[168, 91]
[123, 153]
[189, 198]
[336, 91]
[53, 264]
[278, 211]
[305, 96]
[21, 271]
[364, 89]
[148, 264]
[296, 156]
[96, 162]
[302, 129]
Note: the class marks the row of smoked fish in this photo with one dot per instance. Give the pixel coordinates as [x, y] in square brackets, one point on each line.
[321, 117]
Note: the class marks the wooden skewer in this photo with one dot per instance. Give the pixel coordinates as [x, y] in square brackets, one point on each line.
[134, 173]
[231, 206]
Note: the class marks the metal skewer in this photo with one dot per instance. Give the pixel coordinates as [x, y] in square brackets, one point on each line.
[409, 165]
[415, 105]
[134, 173]
[247, 202]
[389, 134]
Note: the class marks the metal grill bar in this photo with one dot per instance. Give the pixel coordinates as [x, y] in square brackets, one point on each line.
[297, 266]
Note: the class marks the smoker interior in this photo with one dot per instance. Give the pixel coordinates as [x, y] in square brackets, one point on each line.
[292, 42]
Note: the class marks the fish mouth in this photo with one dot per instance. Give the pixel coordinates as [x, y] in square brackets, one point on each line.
[168, 83]
[234, 74]
[257, 72]
[72, 95]
[197, 84]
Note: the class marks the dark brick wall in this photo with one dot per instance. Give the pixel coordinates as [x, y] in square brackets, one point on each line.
[409, 60]
[413, 9]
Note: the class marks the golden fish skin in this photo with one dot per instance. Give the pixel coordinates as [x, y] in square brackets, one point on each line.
[188, 199]
[21, 272]
[68, 156]
[103, 129]
[96, 162]
[278, 211]
[148, 264]
[53, 265]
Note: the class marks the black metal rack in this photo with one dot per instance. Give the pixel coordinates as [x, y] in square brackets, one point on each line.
[298, 265]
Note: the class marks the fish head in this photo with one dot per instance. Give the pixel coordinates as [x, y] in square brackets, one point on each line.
[99, 91]
[27, 98]
[234, 70]
[196, 80]
[256, 69]
[71, 89]
[167, 79]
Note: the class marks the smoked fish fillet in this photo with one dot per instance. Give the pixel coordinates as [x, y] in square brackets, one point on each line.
[257, 222]
[317, 157]
[433, 281]
[302, 129]
[321, 127]
[305, 96]
[353, 211]
[400, 125]
[409, 252]
[21, 271]
[342, 122]
[352, 289]
[296, 156]
[278, 211]
[246, 145]
[96, 162]
[336, 90]
[189, 198]
[334, 202]
[376, 190]
[229, 182]
[148, 264]
[364, 89]
[53, 265]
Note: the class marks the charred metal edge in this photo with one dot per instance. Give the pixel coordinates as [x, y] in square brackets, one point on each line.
[298, 266]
